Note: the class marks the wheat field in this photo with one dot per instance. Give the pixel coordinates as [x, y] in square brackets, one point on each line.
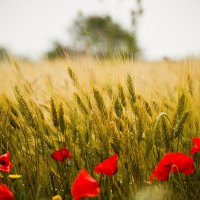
[137, 109]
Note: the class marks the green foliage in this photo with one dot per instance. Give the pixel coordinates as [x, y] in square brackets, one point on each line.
[61, 51]
[101, 36]
[4, 55]
[58, 51]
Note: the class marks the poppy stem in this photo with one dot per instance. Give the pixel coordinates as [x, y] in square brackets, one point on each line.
[100, 180]
[112, 184]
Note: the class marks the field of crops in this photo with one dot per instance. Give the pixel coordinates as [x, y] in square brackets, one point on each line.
[59, 118]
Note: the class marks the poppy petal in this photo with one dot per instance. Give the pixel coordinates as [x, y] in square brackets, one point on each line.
[84, 186]
[5, 164]
[5, 193]
[61, 154]
[108, 167]
[196, 146]
[173, 162]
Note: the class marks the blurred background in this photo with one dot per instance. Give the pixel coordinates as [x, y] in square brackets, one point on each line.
[144, 29]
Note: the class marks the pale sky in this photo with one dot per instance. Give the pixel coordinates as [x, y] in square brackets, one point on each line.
[167, 28]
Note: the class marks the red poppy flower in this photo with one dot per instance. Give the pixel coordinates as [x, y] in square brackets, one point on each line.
[162, 170]
[196, 146]
[5, 164]
[84, 186]
[173, 162]
[5, 193]
[61, 154]
[108, 167]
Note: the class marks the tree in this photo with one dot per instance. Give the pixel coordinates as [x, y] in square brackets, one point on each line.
[100, 35]
[60, 51]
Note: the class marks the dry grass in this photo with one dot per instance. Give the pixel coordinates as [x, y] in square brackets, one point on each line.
[149, 77]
